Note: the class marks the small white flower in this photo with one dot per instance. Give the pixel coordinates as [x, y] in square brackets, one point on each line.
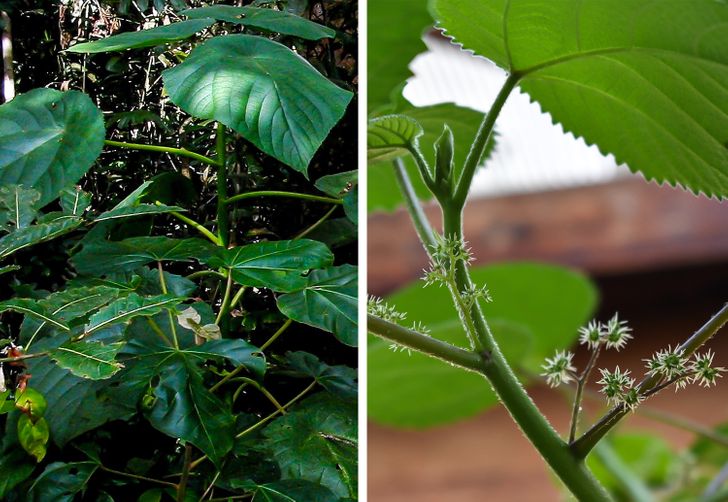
[614, 384]
[705, 374]
[378, 307]
[617, 333]
[632, 399]
[669, 363]
[559, 369]
[591, 335]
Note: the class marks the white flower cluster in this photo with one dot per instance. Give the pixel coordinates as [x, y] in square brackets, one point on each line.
[672, 364]
[619, 388]
[559, 369]
[445, 253]
[614, 334]
[378, 307]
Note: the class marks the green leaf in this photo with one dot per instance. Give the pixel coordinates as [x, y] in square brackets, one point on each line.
[6, 269]
[71, 396]
[15, 467]
[391, 137]
[88, 359]
[351, 205]
[145, 38]
[75, 201]
[394, 38]
[31, 402]
[33, 436]
[328, 301]
[339, 380]
[264, 19]
[60, 482]
[139, 210]
[183, 407]
[32, 308]
[464, 124]
[317, 442]
[48, 140]
[262, 90]
[536, 309]
[125, 309]
[337, 185]
[98, 257]
[291, 490]
[277, 265]
[18, 205]
[645, 82]
[35, 234]
[66, 306]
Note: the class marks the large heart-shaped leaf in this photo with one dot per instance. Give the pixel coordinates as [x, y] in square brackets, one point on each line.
[98, 257]
[395, 32]
[264, 19]
[262, 90]
[645, 81]
[464, 124]
[536, 309]
[317, 442]
[144, 38]
[48, 140]
[328, 301]
[277, 265]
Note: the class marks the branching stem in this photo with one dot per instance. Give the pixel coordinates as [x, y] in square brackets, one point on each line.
[581, 381]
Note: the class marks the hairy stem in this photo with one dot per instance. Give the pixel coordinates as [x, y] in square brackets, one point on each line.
[182, 152]
[590, 438]
[278, 193]
[481, 141]
[419, 219]
[223, 221]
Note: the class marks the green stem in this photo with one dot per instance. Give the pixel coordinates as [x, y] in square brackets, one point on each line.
[237, 297]
[225, 305]
[481, 141]
[580, 383]
[182, 486]
[223, 222]
[275, 335]
[155, 327]
[438, 349]
[419, 219]
[590, 438]
[265, 392]
[135, 476]
[162, 282]
[170, 316]
[197, 226]
[204, 273]
[278, 193]
[636, 489]
[182, 152]
[318, 222]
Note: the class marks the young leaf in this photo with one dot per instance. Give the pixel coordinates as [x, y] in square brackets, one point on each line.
[89, 359]
[98, 257]
[18, 205]
[277, 265]
[317, 442]
[32, 308]
[33, 436]
[48, 140]
[31, 402]
[262, 90]
[626, 76]
[328, 301]
[464, 124]
[145, 38]
[125, 309]
[264, 19]
[75, 201]
[138, 210]
[535, 310]
[35, 234]
[392, 136]
[61, 482]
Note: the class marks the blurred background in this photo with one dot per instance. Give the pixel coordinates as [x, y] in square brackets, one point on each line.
[658, 255]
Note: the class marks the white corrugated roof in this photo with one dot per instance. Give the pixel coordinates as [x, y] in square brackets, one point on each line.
[531, 154]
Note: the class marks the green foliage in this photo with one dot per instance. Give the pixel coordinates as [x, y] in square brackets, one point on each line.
[48, 140]
[662, 116]
[535, 309]
[264, 19]
[145, 38]
[225, 78]
[137, 342]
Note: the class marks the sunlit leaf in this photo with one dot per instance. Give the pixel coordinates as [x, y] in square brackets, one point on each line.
[88, 359]
[125, 309]
[33, 436]
[32, 308]
[138, 210]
